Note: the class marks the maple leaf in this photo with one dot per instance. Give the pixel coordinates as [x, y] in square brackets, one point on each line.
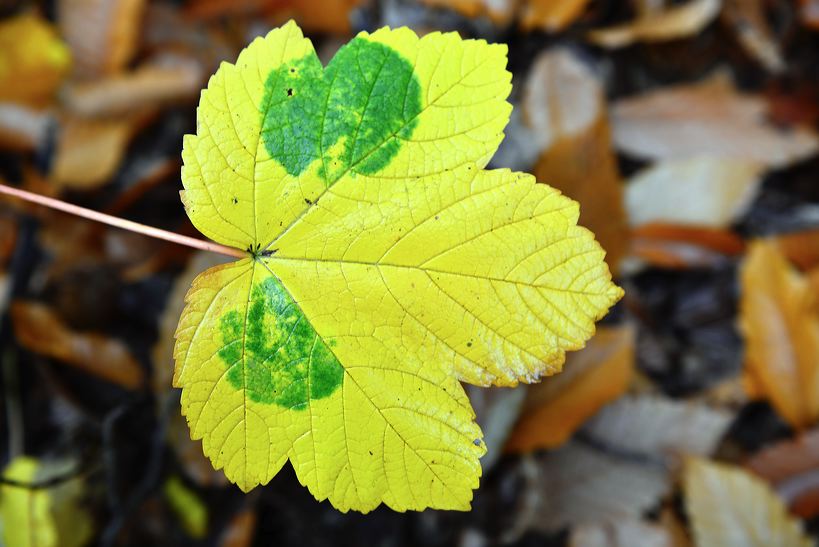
[386, 266]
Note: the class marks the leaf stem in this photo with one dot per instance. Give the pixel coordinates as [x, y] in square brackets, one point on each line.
[122, 223]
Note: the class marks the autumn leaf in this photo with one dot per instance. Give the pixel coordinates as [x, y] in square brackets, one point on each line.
[779, 321]
[708, 118]
[42, 517]
[33, 60]
[677, 21]
[386, 266]
[731, 508]
[594, 376]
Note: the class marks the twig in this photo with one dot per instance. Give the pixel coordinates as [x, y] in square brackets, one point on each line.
[122, 223]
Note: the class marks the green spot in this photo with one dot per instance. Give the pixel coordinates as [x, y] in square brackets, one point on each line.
[367, 100]
[280, 359]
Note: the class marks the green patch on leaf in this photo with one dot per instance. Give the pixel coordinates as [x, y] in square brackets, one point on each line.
[285, 361]
[351, 116]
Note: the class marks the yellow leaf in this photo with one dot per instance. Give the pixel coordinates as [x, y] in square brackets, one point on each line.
[33, 60]
[731, 508]
[385, 265]
[186, 505]
[779, 321]
[594, 376]
[42, 517]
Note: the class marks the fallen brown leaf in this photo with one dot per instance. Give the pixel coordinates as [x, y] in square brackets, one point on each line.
[677, 246]
[710, 118]
[779, 322]
[731, 508]
[102, 34]
[89, 151]
[702, 191]
[555, 408]
[149, 86]
[333, 16]
[39, 330]
[627, 532]
[792, 467]
[550, 15]
[676, 21]
[801, 248]
[33, 60]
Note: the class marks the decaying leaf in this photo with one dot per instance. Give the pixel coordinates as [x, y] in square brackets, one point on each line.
[42, 517]
[39, 330]
[33, 60]
[754, 33]
[333, 16]
[710, 118]
[546, 15]
[679, 246]
[627, 532]
[780, 324]
[89, 151]
[102, 34]
[580, 485]
[560, 404]
[653, 426]
[149, 86]
[671, 23]
[792, 467]
[549, 15]
[731, 508]
[21, 127]
[566, 105]
[801, 248]
[620, 464]
[701, 191]
[385, 266]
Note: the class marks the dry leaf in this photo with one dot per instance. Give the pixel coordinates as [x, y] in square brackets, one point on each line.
[729, 507]
[653, 426]
[792, 467]
[627, 532]
[149, 86]
[779, 321]
[581, 485]
[679, 247]
[565, 125]
[333, 16]
[551, 15]
[710, 118]
[239, 531]
[103, 34]
[89, 151]
[801, 248]
[500, 12]
[620, 464]
[39, 330]
[676, 21]
[702, 191]
[33, 60]
[560, 404]
[754, 33]
[546, 15]
[22, 128]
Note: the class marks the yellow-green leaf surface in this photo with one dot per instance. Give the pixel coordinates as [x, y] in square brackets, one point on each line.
[385, 267]
[42, 517]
